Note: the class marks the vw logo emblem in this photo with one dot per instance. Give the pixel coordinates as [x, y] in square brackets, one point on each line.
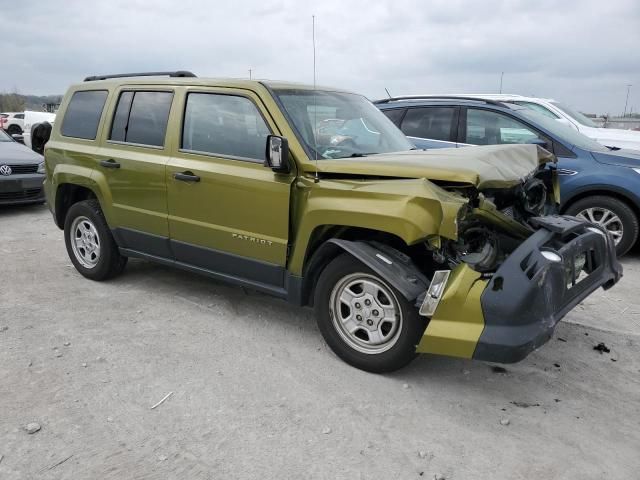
[5, 170]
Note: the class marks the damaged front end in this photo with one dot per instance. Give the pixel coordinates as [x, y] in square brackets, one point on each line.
[515, 269]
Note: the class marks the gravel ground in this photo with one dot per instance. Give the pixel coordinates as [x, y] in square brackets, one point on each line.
[258, 395]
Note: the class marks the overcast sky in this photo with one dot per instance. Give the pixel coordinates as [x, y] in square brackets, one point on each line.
[581, 52]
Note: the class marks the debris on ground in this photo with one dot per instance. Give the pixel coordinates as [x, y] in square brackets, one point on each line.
[58, 353]
[498, 369]
[557, 365]
[422, 454]
[1, 457]
[505, 422]
[405, 385]
[84, 364]
[525, 404]
[560, 339]
[66, 344]
[326, 430]
[602, 348]
[466, 372]
[30, 364]
[439, 476]
[557, 400]
[162, 458]
[32, 427]
[109, 419]
[163, 399]
[4, 328]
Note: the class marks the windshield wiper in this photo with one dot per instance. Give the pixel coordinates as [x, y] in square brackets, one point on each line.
[355, 155]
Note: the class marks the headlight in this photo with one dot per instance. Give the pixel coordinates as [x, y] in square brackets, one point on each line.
[41, 168]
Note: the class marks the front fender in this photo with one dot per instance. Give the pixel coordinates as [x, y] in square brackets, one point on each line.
[409, 209]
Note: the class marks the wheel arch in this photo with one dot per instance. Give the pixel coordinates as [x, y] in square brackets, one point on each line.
[329, 241]
[621, 195]
[68, 194]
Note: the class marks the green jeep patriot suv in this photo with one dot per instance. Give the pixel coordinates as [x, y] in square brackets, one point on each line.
[314, 196]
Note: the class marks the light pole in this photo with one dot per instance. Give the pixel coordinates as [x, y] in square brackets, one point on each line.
[501, 75]
[626, 101]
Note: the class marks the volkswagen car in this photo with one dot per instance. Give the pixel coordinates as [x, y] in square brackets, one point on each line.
[21, 173]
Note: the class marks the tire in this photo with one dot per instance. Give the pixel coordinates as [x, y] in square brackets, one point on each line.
[14, 130]
[85, 221]
[623, 230]
[399, 333]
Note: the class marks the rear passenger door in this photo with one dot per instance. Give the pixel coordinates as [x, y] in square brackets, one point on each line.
[228, 213]
[488, 127]
[431, 127]
[132, 161]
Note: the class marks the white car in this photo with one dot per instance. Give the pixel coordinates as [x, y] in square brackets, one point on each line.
[610, 137]
[12, 122]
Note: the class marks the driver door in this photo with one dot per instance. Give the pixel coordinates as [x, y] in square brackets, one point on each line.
[228, 213]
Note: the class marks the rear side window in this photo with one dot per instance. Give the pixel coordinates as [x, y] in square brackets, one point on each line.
[83, 114]
[395, 115]
[226, 125]
[19, 116]
[141, 117]
[429, 122]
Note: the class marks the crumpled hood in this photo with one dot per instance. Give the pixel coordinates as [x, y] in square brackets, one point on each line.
[495, 166]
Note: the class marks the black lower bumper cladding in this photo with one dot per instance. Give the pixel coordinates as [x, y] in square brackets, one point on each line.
[531, 292]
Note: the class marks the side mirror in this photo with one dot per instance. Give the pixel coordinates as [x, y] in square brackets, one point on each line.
[277, 155]
[18, 138]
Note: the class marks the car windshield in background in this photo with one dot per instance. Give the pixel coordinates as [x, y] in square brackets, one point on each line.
[564, 133]
[577, 116]
[340, 125]
[4, 137]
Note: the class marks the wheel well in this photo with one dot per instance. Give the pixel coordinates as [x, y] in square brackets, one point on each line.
[605, 193]
[319, 253]
[66, 196]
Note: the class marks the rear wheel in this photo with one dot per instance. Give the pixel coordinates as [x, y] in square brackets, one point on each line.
[89, 242]
[365, 321]
[612, 214]
[14, 130]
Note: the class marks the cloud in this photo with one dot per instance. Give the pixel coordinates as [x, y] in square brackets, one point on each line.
[583, 52]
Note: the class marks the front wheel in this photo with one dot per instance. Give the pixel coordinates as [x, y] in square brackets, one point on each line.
[612, 214]
[365, 321]
[89, 242]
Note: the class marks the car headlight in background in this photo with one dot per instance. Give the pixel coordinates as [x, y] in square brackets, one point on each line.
[41, 168]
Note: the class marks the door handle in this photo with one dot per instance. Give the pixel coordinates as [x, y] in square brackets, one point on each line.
[111, 163]
[186, 177]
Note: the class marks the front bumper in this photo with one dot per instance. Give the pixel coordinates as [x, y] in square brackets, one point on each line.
[21, 189]
[506, 317]
[529, 294]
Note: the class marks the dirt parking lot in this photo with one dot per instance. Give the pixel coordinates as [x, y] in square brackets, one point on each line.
[258, 395]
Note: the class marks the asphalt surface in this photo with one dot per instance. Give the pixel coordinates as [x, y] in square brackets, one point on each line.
[258, 395]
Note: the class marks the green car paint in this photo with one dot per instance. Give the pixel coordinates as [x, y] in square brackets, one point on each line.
[277, 221]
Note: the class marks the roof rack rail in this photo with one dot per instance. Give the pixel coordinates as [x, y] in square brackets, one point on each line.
[177, 73]
[439, 97]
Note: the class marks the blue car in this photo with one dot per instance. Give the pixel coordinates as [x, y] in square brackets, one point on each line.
[598, 183]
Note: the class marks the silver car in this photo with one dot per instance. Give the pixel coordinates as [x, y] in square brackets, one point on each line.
[21, 173]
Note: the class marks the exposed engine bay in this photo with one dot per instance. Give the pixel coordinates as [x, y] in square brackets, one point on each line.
[496, 221]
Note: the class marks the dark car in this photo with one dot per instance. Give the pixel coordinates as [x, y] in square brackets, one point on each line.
[21, 173]
[598, 183]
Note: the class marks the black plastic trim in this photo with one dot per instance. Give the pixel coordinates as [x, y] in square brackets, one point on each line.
[143, 242]
[529, 294]
[177, 73]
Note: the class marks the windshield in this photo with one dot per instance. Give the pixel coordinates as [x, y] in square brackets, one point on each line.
[564, 133]
[340, 125]
[577, 116]
[4, 137]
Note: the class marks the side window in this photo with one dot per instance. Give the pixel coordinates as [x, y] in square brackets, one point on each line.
[141, 117]
[538, 108]
[429, 122]
[485, 127]
[83, 114]
[224, 125]
[19, 116]
[395, 115]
